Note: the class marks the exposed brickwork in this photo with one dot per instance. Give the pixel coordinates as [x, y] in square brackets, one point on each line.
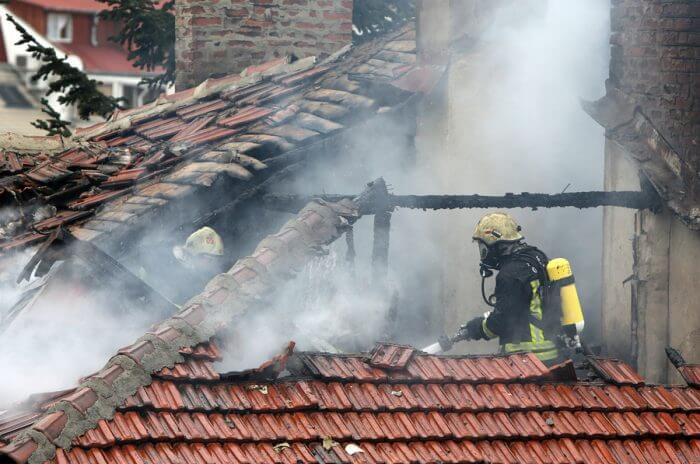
[656, 60]
[226, 36]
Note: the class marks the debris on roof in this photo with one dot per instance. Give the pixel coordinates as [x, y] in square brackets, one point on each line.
[231, 129]
[32, 144]
[615, 371]
[391, 356]
[689, 372]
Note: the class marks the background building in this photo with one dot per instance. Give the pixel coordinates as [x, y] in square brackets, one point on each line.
[74, 29]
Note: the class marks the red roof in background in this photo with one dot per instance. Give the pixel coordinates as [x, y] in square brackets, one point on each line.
[397, 405]
[105, 59]
[81, 6]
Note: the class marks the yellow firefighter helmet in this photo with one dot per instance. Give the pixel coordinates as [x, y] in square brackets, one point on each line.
[497, 227]
[205, 241]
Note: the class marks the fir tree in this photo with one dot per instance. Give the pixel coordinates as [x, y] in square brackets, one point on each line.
[73, 85]
[54, 125]
[148, 33]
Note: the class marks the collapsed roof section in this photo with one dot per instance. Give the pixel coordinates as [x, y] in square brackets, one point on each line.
[161, 399]
[226, 299]
[358, 408]
[236, 130]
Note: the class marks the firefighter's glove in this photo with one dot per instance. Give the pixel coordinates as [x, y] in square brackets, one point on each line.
[473, 330]
[446, 343]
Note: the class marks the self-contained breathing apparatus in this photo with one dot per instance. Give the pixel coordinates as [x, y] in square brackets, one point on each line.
[562, 318]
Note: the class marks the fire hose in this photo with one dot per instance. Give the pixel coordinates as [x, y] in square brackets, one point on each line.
[446, 343]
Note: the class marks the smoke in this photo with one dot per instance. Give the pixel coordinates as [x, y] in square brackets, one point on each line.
[517, 126]
[327, 307]
[511, 122]
[69, 325]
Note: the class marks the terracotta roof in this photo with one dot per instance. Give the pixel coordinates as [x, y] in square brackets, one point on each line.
[340, 408]
[674, 178]
[231, 130]
[79, 6]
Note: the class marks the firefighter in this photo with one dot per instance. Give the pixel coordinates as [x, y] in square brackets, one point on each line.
[517, 315]
[203, 251]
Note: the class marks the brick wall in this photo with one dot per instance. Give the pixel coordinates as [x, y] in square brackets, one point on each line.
[655, 58]
[225, 36]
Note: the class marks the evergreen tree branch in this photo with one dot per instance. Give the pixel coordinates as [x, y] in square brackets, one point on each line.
[148, 33]
[73, 85]
[54, 125]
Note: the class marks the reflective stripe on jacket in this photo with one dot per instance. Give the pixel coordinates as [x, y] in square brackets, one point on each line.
[545, 350]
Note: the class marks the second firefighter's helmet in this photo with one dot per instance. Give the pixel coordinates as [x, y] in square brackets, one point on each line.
[204, 242]
[497, 228]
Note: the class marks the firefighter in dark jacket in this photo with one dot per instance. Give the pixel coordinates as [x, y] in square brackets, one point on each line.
[517, 302]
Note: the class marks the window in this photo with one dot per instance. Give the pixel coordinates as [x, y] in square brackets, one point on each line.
[131, 94]
[93, 32]
[105, 89]
[139, 95]
[21, 61]
[12, 97]
[59, 27]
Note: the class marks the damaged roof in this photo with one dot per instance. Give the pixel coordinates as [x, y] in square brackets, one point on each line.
[347, 408]
[162, 400]
[171, 348]
[236, 130]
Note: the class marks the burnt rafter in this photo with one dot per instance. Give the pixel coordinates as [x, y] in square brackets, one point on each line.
[625, 199]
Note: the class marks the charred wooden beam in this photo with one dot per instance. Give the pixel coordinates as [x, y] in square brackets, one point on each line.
[382, 228]
[62, 245]
[380, 246]
[625, 199]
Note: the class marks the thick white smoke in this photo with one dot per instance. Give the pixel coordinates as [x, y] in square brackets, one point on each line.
[69, 328]
[516, 125]
[512, 123]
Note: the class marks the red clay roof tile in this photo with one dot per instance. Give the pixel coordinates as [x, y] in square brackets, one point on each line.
[691, 374]
[437, 415]
[616, 371]
[245, 116]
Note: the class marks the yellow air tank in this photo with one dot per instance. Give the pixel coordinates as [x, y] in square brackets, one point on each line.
[572, 321]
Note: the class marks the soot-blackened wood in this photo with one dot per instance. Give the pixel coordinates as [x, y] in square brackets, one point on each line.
[626, 199]
[378, 198]
[380, 247]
